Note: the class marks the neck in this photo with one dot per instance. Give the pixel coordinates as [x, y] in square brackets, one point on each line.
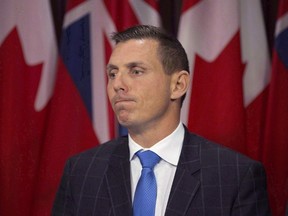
[149, 137]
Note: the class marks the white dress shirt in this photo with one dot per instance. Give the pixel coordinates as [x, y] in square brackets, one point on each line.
[169, 150]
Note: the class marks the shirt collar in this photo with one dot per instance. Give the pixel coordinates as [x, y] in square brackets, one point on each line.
[168, 149]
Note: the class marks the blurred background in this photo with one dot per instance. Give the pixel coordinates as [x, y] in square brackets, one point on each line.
[53, 102]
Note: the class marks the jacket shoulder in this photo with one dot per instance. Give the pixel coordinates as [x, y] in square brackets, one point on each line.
[98, 156]
[215, 152]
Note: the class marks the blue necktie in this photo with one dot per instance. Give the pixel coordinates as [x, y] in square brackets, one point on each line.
[146, 190]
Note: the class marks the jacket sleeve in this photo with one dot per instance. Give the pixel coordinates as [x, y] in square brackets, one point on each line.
[252, 198]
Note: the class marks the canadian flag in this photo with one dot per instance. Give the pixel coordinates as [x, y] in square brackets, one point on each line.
[226, 44]
[28, 55]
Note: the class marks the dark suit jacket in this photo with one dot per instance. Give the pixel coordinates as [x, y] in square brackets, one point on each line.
[209, 180]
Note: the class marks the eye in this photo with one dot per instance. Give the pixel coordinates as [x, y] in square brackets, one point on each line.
[136, 71]
[111, 74]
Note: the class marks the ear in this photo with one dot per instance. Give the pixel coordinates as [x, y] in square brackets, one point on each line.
[179, 84]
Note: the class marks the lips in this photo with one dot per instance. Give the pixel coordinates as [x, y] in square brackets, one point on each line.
[120, 99]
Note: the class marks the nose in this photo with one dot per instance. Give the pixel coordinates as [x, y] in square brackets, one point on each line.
[119, 82]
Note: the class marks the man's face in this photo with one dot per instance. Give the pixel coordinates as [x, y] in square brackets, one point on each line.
[138, 88]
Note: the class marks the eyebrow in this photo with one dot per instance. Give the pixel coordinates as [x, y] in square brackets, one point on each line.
[128, 65]
[111, 67]
[134, 64]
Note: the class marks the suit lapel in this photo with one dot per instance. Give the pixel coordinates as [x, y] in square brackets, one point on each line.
[118, 180]
[186, 181]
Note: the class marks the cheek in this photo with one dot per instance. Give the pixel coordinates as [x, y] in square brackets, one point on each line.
[156, 96]
[110, 92]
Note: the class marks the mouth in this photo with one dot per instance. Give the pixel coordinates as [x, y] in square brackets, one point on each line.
[121, 100]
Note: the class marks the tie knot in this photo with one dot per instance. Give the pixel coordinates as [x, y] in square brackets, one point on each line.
[148, 159]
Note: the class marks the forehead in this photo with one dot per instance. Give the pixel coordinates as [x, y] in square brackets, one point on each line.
[142, 48]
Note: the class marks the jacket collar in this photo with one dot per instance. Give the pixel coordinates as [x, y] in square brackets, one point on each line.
[186, 177]
[118, 179]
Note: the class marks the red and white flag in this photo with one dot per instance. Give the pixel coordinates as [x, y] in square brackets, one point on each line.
[28, 54]
[227, 49]
[275, 149]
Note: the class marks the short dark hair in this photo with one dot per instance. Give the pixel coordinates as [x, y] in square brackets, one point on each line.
[171, 52]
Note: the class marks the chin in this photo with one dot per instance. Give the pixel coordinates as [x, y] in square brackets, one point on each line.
[124, 121]
[127, 123]
[124, 118]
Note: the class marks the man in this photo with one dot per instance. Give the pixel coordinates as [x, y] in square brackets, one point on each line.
[147, 81]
